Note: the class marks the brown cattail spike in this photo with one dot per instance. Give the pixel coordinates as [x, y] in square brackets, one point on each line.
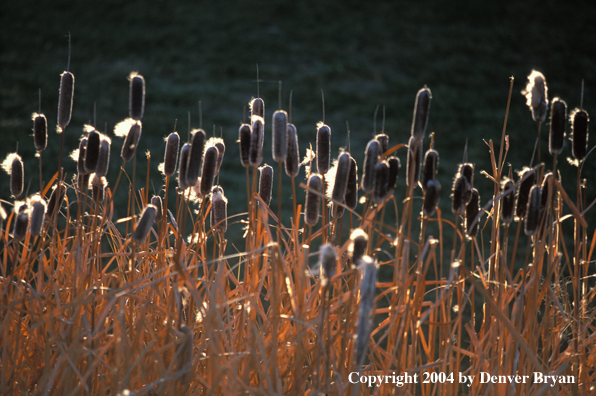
[67, 81]
[256, 141]
[279, 143]
[472, 210]
[37, 214]
[103, 160]
[523, 193]
[265, 183]
[371, 157]
[92, 152]
[459, 194]
[431, 164]
[209, 169]
[55, 201]
[292, 163]
[196, 157]
[171, 155]
[421, 110]
[98, 187]
[21, 222]
[507, 202]
[340, 184]
[558, 120]
[312, 202]
[221, 150]
[579, 134]
[244, 141]
[536, 96]
[532, 222]
[358, 244]
[131, 142]
[414, 162]
[381, 181]
[219, 211]
[467, 170]
[40, 131]
[394, 165]
[13, 165]
[323, 148]
[144, 225]
[352, 187]
[546, 184]
[81, 159]
[184, 157]
[383, 140]
[327, 262]
[157, 202]
[257, 107]
[431, 197]
[137, 96]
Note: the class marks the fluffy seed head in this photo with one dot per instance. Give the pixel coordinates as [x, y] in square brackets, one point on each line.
[265, 183]
[219, 211]
[459, 195]
[103, 160]
[532, 222]
[13, 165]
[507, 202]
[371, 157]
[381, 181]
[579, 134]
[196, 156]
[257, 107]
[40, 131]
[414, 162]
[352, 187]
[171, 155]
[209, 170]
[184, 157]
[327, 261]
[131, 142]
[144, 225]
[292, 163]
[137, 96]
[421, 110]
[244, 141]
[472, 210]
[524, 191]
[536, 95]
[558, 120]
[312, 201]
[256, 141]
[358, 244]
[431, 163]
[37, 214]
[394, 165]
[279, 143]
[157, 202]
[323, 148]
[383, 140]
[431, 197]
[67, 81]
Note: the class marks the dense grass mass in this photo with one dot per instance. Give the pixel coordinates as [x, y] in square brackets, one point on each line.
[231, 287]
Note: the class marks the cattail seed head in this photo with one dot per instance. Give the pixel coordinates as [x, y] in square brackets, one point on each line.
[40, 131]
[219, 211]
[414, 162]
[292, 163]
[421, 110]
[472, 210]
[256, 140]
[342, 172]
[383, 140]
[244, 141]
[381, 181]
[137, 96]
[371, 158]
[196, 157]
[546, 184]
[37, 214]
[265, 183]
[81, 170]
[67, 81]
[327, 262]
[459, 194]
[21, 222]
[431, 164]
[323, 148]
[467, 170]
[312, 201]
[368, 280]
[524, 191]
[184, 157]
[13, 165]
[279, 143]
[55, 201]
[103, 160]
[507, 202]
[98, 187]
[532, 222]
[92, 152]
[558, 120]
[221, 150]
[209, 170]
[579, 134]
[171, 155]
[431, 197]
[351, 199]
[358, 244]
[394, 165]
[144, 225]
[158, 203]
[536, 95]
[131, 141]
[257, 107]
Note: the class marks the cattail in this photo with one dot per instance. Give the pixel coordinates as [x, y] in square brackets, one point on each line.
[524, 191]
[196, 157]
[21, 222]
[467, 170]
[368, 280]
[37, 214]
[81, 170]
[340, 184]
[131, 142]
[394, 165]
[219, 144]
[171, 155]
[256, 141]
[137, 96]
[536, 95]
[421, 109]
[92, 152]
[13, 165]
[217, 190]
[472, 211]
[579, 134]
[414, 162]
[381, 181]
[184, 157]
[459, 195]
[312, 201]
[157, 202]
[279, 128]
[209, 169]
[244, 140]
[98, 187]
[351, 199]
[257, 107]
[383, 140]
[144, 225]
[371, 157]
[292, 163]
[558, 119]
[219, 211]
[103, 160]
[55, 201]
[265, 183]
[323, 148]
[358, 244]
[431, 197]
[546, 182]
[83, 181]
[431, 163]
[327, 262]
[67, 81]
[507, 202]
[40, 131]
[185, 354]
[532, 222]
